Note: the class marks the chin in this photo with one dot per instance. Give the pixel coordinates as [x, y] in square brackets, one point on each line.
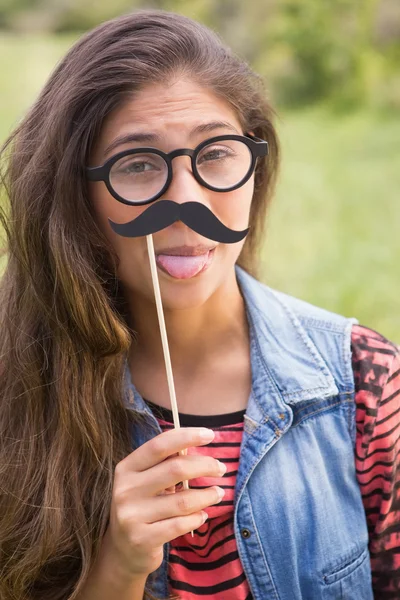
[184, 294]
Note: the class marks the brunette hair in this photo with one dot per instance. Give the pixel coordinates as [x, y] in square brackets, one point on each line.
[64, 341]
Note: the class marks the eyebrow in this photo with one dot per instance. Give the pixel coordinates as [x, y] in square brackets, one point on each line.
[154, 137]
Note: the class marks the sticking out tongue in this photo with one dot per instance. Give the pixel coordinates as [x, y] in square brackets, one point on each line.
[182, 267]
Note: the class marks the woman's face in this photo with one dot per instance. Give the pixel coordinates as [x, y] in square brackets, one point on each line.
[172, 112]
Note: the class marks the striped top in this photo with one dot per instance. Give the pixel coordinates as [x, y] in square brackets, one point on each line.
[208, 565]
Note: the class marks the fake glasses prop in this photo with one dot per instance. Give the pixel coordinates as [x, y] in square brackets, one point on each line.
[141, 175]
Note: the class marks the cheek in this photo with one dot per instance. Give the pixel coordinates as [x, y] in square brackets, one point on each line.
[107, 207]
[236, 206]
[234, 211]
[131, 251]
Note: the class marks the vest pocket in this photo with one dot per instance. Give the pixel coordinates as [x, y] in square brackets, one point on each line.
[349, 581]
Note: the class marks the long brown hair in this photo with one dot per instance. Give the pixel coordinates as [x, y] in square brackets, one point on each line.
[64, 328]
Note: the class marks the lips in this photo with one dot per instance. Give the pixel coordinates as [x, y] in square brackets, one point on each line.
[182, 266]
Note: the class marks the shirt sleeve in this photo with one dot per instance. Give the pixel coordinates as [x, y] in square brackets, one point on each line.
[376, 368]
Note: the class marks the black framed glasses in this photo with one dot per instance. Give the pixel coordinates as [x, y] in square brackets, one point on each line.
[141, 175]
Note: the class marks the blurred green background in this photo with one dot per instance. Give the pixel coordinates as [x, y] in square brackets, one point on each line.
[332, 72]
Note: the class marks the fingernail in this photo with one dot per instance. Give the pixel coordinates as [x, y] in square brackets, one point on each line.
[220, 491]
[204, 515]
[207, 434]
[222, 467]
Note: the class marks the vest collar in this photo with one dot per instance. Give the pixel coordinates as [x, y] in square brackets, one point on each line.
[286, 365]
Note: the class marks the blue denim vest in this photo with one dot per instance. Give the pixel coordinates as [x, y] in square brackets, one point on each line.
[299, 520]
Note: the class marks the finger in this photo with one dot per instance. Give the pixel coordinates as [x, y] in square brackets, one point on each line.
[171, 472]
[161, 532]
[183, 503]
[161, 447]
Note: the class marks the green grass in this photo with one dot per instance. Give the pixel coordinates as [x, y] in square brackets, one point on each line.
[332, 234]
[333, 231]
[26, 63]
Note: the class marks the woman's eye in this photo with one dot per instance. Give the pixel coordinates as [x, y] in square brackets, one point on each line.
[214, 154]
[137, 167]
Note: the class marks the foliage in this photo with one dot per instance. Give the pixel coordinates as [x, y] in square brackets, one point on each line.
[307, 50]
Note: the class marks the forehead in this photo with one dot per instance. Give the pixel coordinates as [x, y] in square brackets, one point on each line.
[170, 110]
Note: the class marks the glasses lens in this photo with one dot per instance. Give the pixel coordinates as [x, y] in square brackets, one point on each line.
[225, 163]
[138, 177]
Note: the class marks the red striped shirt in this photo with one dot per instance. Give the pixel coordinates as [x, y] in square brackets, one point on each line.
[376, 366]
[208, 566]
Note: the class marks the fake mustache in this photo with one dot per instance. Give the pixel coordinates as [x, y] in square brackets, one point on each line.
[165, 212]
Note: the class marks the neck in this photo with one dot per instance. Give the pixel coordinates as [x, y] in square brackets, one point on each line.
[193, 333]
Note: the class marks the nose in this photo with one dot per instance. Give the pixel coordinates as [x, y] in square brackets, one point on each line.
[184, 187]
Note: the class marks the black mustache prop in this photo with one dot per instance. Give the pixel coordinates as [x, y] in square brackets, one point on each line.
[165, 212]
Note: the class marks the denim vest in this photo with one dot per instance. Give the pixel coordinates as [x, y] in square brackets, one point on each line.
[299, 521]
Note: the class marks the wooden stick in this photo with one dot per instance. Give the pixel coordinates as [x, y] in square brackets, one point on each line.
[164, 340]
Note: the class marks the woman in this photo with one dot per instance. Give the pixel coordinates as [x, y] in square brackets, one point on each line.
[302, 402]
